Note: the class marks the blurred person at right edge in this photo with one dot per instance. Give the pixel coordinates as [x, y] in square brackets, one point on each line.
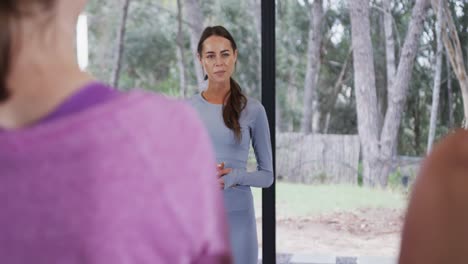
[436, 224]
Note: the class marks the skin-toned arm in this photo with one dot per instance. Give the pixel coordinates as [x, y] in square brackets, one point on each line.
[436, 224]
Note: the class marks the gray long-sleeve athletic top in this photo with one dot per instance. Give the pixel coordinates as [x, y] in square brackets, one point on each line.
[254, 127]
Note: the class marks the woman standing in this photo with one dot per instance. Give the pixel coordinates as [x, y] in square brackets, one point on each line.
[234, 121]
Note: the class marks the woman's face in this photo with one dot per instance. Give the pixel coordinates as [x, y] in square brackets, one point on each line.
[218, 59]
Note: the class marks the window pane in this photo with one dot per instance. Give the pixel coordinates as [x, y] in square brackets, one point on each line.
[324, 208]
[159, 49]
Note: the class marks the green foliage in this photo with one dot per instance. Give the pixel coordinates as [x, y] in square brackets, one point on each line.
[291, 42]
[321, 177]
[167, 87]
[150, 58]
[360, 174]
[395, 180]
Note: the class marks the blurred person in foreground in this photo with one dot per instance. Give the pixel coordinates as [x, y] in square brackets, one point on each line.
[436, 225]
[89, 174]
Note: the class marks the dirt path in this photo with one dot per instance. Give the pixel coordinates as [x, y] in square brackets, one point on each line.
[365, 232]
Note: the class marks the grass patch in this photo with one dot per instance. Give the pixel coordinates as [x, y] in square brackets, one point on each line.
[296, 200]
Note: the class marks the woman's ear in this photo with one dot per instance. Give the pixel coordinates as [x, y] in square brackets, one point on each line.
[235, 56]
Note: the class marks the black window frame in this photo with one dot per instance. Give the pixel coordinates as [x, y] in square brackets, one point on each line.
[268, 101]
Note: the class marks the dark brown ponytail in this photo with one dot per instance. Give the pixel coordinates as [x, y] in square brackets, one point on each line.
[6, 9]
[236, 100]
[233, 107]
[10, 9]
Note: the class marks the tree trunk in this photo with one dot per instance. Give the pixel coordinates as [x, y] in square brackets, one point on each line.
[256, 14]
[120, 45]
[449, 91]
[380, 84]
[327, 123]
[313, 65]
[389, 43]
[398, 92]
[455, 53]
[437, 77]
[389, 52]
[195, 19]
[330, 103]
[417, 124]
[291, 95]
[377, 162]
[364, 83]
[181, 61]
[279, 116]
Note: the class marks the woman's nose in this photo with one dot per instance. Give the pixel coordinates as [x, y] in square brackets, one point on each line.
[219, 61]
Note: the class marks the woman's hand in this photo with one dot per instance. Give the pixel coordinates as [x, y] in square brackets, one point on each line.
[221, 172]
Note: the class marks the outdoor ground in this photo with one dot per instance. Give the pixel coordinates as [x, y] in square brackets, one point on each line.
[337, 220]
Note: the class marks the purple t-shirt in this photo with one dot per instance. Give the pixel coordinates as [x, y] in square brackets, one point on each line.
[124, 178]
[91, 94]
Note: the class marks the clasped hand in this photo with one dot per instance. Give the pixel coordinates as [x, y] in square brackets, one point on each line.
[221, 171]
